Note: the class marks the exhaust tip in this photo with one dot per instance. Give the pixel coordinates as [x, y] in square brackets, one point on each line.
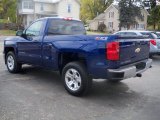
[139, 75]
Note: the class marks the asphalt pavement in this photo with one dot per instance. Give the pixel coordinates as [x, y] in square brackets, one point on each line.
[37, 94]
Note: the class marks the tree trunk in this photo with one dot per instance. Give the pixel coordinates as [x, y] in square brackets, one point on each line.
[128, 27]
[119, 28]
[154, 26]
[159, 26]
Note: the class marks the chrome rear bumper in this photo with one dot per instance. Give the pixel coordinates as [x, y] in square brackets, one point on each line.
[129, 70]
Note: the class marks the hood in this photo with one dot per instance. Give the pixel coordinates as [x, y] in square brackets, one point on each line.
[13, 38]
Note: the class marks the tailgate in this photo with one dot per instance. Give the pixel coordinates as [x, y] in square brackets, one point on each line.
[133, 50]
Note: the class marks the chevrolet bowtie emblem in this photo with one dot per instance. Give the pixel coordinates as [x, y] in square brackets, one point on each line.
[138, 50]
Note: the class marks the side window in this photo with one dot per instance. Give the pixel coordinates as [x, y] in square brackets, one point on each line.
[69, 8]
[131, 33]
[34, 29]
[120, 33]
[42, 8]
[117, 33]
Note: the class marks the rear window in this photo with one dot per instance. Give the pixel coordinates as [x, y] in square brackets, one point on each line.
[130, 33]
[120, 33]
[65, 27]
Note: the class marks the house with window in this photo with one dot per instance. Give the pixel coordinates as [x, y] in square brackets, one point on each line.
[111, 20]
[31, 10]
[93, 24]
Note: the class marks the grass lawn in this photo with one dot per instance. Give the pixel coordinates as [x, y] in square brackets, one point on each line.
[3, 21]
[96, 33]
[7, 32]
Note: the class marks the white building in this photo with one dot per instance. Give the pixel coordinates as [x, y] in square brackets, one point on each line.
[31, 10]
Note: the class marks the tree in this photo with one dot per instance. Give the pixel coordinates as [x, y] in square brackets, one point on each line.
[102, 27]
[8, 9]
[91, 8]
[154, 18]
[149, 4]
[128, 11]
[1, 7]
[154, 10]
[153, 3]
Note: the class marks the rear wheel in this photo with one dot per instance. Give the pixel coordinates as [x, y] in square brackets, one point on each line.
[12, 65]
[76, 79]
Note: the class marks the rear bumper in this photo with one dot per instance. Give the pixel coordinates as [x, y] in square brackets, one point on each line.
[155, 53]
[129, 71]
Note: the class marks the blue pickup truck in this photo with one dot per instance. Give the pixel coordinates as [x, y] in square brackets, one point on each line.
[61, 44]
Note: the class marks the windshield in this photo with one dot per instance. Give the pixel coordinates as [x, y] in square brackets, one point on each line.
[155, 35]
[148, 34]
[65, 27]
[158, 35]
[151, 35]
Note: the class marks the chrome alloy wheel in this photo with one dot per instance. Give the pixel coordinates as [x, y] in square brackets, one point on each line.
[10, 62]
[73, 79]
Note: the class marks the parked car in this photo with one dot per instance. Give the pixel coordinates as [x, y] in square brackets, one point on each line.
[154, 39]
[60, 44]
[155, 42]
[128, 33]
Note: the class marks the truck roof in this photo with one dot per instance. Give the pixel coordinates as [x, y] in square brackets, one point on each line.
[58, 18]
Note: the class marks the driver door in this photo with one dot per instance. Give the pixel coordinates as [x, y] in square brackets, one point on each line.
[29, 50]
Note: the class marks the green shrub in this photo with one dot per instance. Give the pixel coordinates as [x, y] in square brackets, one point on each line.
[102, 27]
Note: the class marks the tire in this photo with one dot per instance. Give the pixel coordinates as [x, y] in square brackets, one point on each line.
[12, 65]
[76, 79]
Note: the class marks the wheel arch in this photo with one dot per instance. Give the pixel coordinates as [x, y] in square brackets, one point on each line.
[67, 57]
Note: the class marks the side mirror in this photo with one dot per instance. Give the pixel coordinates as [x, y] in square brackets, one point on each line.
[19, 33]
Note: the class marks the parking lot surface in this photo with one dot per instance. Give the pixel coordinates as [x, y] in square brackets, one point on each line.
[36, 94]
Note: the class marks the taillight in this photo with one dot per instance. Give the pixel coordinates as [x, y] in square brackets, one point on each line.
[153, 42]
[112, 51]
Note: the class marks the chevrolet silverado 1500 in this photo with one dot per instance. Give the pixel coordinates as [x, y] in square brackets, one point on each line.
[61, 44]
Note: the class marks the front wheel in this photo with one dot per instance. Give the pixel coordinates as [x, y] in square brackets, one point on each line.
[76, 79]
[12, 65]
